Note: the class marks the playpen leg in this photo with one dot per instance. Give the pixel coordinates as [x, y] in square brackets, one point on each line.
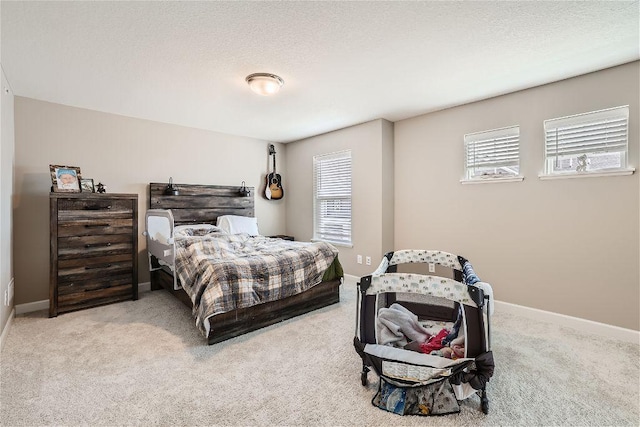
[484, 401]
[363, 374]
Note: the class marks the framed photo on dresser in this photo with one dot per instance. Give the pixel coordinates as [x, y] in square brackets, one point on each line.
[86, 185]
[65, 179]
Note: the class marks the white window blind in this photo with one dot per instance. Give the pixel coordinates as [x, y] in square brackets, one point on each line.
[493, 153]
[595, 141]
[332, 197]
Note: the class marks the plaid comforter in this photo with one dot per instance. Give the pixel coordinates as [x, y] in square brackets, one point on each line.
[223, 272]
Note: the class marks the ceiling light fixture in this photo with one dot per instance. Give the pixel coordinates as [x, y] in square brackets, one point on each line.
[264, 83]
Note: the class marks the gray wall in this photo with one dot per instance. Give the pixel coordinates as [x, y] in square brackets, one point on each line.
[568, 246]
[372, 218]
[125, 154]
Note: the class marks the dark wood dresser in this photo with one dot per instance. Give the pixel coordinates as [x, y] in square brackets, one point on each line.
[93, 250]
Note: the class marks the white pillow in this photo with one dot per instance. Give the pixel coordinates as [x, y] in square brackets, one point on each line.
[234, 224]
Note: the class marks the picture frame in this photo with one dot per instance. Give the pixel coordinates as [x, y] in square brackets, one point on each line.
[86, 185]
[65, 179]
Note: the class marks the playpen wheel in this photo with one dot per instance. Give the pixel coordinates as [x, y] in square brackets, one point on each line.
[363, 374]
[484, 402]
[485, 406]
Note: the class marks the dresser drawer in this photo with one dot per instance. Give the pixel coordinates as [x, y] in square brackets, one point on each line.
[78, 269]
[98, 245]
[96, 284]
[92, 298]
[89, 227]
[94, 206]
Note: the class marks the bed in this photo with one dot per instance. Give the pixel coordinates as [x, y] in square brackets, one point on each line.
[182, 238]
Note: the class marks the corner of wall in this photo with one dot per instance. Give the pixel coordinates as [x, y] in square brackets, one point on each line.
[388, 186]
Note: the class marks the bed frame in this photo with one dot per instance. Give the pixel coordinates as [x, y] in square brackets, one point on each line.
[203, 204]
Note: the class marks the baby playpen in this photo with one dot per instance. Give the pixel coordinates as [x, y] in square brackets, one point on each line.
[426, 336]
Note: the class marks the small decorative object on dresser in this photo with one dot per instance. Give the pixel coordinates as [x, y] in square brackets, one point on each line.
[100, 188]
[93, 250]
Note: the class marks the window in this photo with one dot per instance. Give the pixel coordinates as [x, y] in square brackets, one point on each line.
[595, 142]
[493, 155]
[332, 197]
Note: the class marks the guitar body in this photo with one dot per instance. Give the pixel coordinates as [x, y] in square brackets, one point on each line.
[273, 188]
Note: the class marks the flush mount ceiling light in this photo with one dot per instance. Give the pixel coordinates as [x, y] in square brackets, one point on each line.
[264, 83]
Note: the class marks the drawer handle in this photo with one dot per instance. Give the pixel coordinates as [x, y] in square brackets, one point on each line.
[88, 245]
[97, 225]
[95, 267]
[96, 207]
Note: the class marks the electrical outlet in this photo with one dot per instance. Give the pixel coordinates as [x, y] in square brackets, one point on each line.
[368, 260]
[359, 259]
[432, 267]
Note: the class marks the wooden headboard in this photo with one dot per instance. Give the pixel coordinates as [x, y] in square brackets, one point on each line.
[201, 203]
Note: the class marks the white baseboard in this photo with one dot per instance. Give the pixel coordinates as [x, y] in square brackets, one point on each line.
[7, 327]
[582, 325]
[32, 306]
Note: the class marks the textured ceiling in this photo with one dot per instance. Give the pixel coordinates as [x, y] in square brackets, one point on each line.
[343, 62]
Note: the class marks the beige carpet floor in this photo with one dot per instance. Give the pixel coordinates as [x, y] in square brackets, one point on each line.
[144, 363]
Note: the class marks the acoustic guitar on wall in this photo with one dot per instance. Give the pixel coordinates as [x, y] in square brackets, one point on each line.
[273, 189]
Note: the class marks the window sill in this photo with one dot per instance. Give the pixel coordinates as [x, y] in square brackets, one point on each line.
[344, 245]
[516, 178]
[568, 175]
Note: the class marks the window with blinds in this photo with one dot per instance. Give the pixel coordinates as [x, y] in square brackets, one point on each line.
[493, 154]
[588, 142]
[332, 197]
